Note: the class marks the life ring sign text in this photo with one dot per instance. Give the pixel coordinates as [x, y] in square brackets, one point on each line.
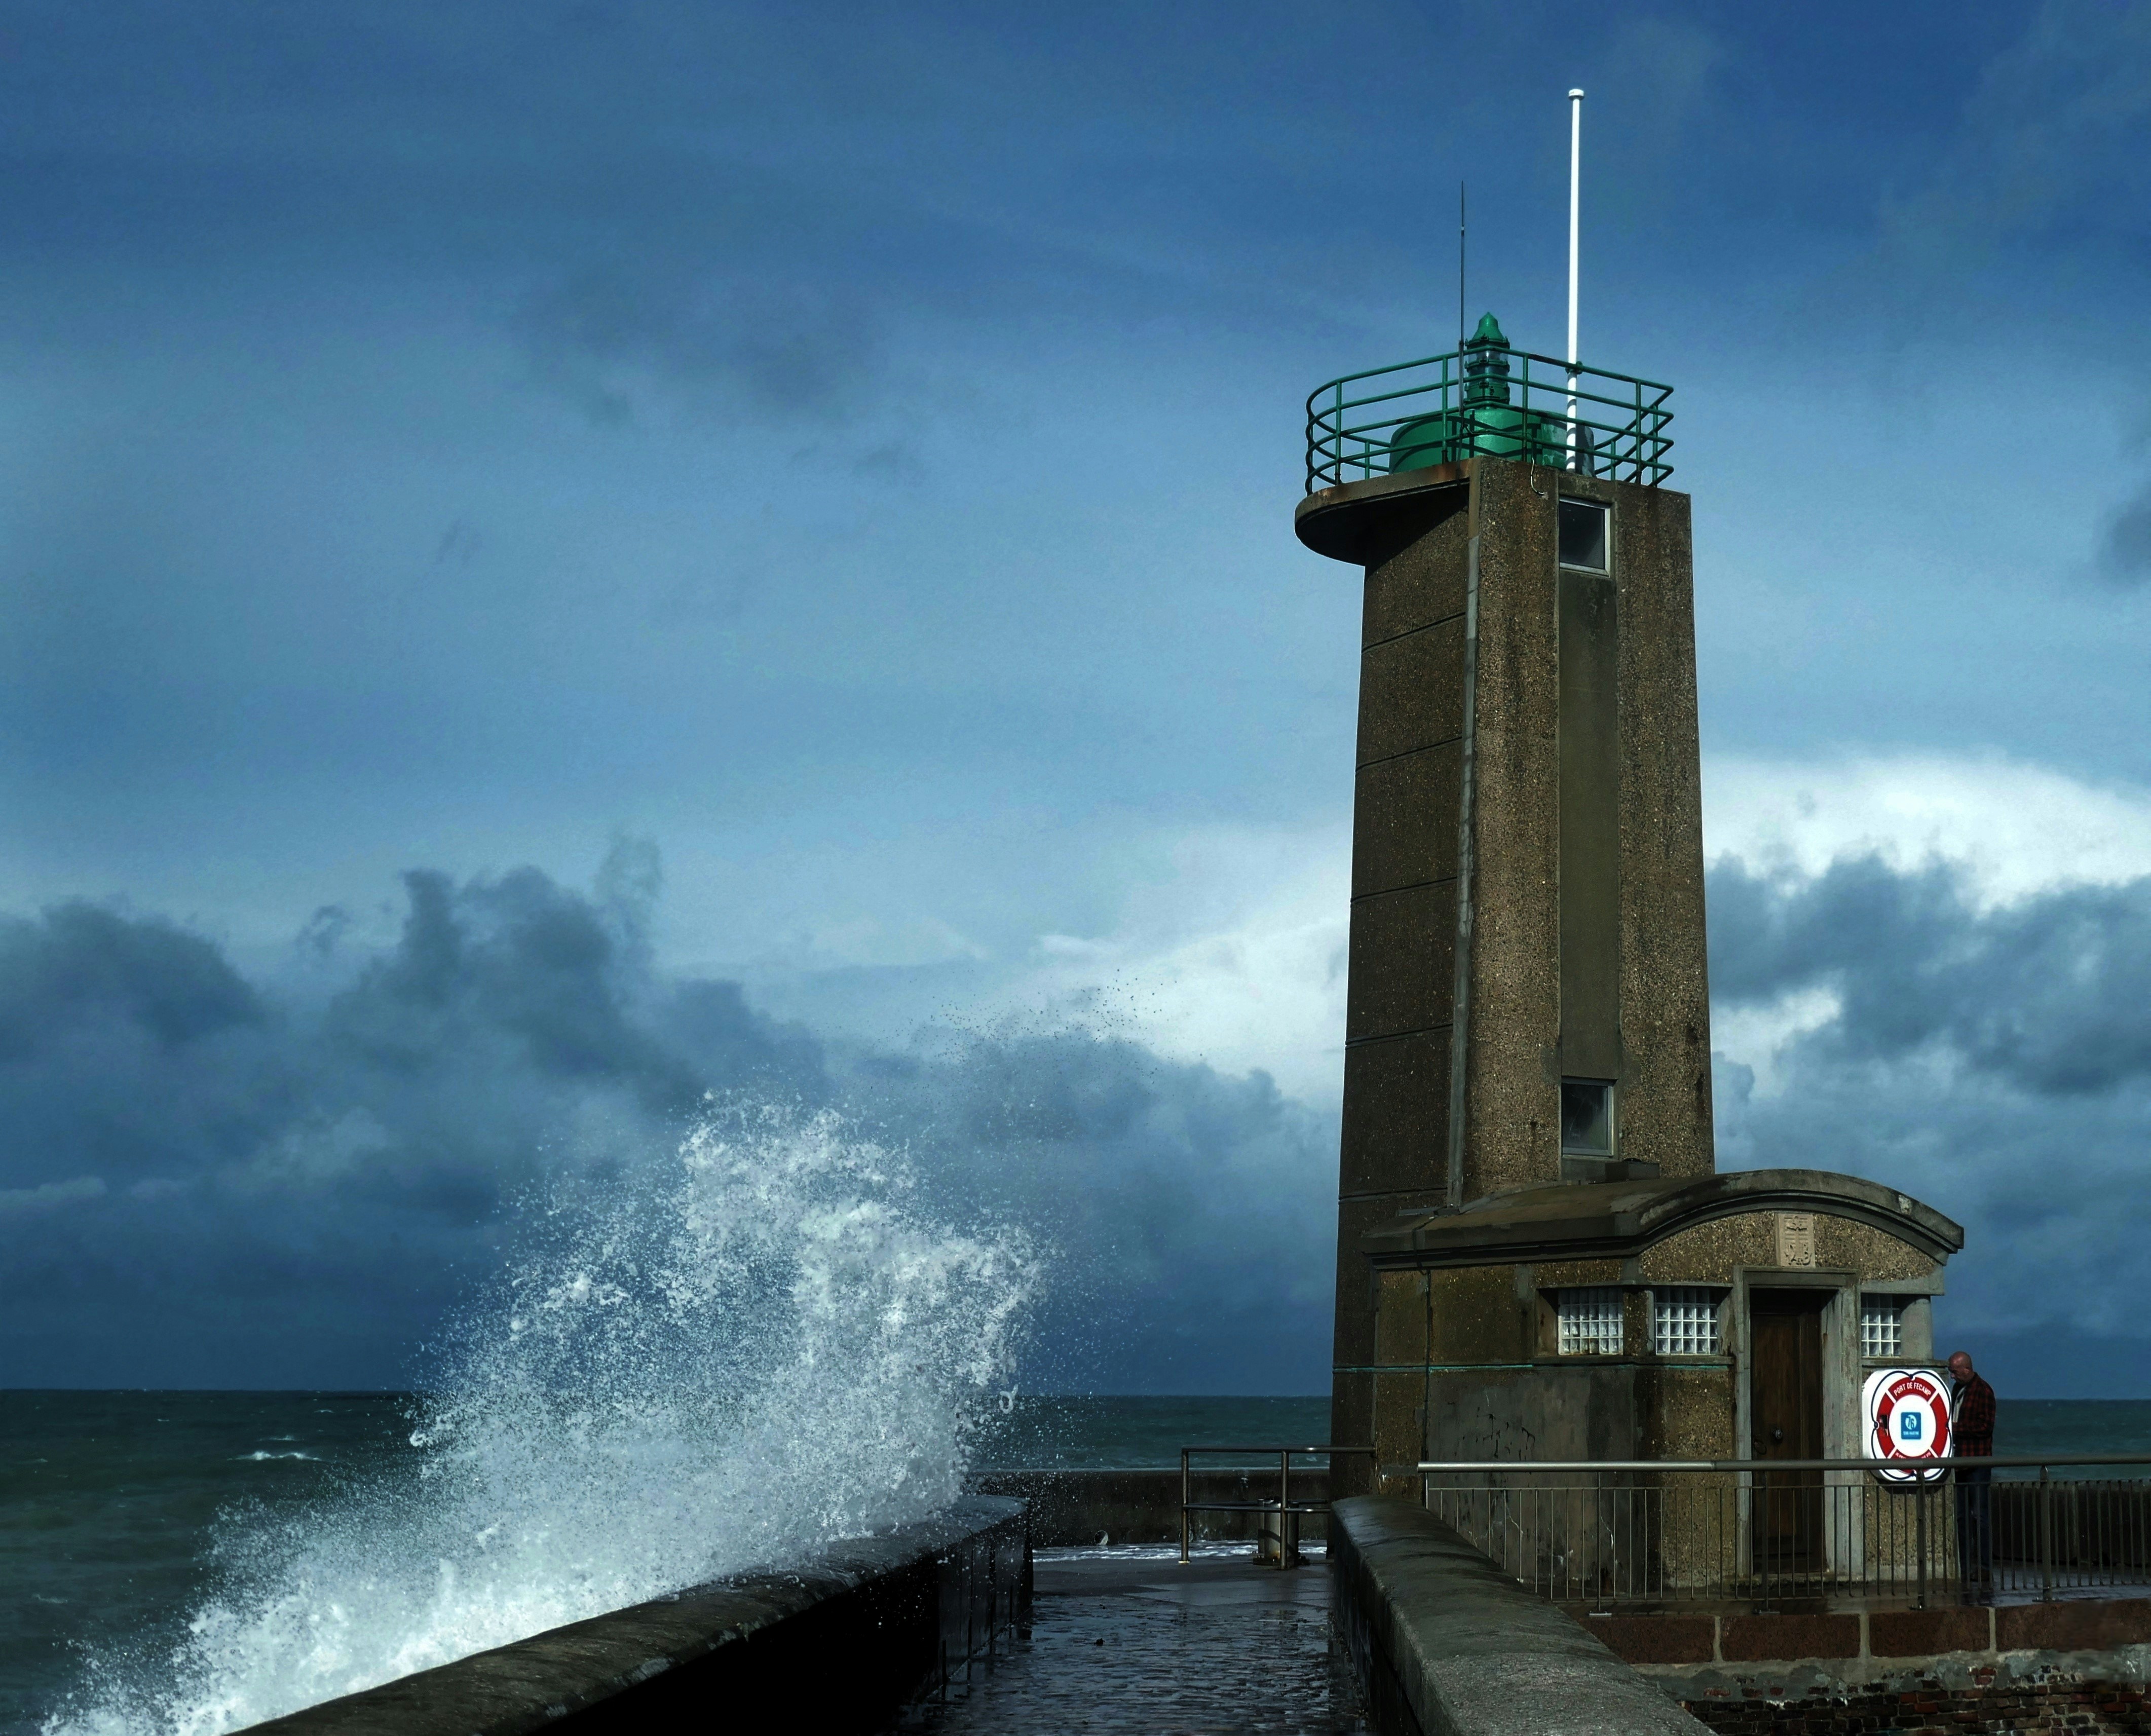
[1908, 1419]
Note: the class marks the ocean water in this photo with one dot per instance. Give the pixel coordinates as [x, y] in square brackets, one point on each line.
[110, 1505]
[119, 1511]
[122, 1516]
[745, 1349]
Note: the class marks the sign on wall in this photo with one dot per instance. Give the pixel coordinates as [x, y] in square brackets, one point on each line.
[1796, 1238]
[1908, 1419]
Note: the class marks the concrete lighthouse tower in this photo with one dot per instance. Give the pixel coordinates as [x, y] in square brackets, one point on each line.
[1536, 1258]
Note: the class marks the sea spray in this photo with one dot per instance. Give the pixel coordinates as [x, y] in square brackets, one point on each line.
[727, 1361]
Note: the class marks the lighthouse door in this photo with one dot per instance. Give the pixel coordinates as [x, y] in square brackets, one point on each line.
[1784, 1399]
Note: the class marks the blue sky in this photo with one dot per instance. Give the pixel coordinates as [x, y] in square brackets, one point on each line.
[828, 472]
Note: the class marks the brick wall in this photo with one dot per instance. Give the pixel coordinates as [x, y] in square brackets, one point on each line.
[2075, 1625]
[2079, 1667]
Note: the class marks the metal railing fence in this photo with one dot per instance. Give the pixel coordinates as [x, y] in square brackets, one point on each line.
[1286, 1509]
[1647, 1533]
[1479, 402]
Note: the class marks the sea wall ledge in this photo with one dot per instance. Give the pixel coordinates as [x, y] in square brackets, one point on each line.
[841, 1645]
[1446, 1645]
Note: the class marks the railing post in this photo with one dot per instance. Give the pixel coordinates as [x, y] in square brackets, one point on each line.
[2046, 1535]
[1759, 1540]
[1284, 1504]
[1185, 1497]
[1922, 1488]
[1610, 1500]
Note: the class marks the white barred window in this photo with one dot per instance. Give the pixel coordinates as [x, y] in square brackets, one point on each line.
[1882, 1327]
[1590, 1321]
[1684, 1322]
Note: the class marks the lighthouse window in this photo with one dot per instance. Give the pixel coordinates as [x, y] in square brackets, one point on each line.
[1590, 1321]
[1583, 534]
[1684, 1322]
[1587, 1117]
[1882, 1327]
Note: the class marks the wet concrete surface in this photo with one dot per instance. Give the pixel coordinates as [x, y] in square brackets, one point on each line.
[1126, 1641]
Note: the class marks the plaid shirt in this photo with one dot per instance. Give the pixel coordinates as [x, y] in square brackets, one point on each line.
[1971, 1416]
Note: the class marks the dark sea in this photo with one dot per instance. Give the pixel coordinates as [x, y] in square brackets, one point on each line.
[118, 1512]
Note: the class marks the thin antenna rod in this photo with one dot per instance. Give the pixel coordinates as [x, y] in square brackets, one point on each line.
[1575, 231]
[1461, 235]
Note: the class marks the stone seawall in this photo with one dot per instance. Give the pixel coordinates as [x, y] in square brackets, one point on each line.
[840, 1646]
[1445, 1644]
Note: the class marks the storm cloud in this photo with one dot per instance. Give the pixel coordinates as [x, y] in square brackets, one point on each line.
[2127, 551]
[205, 1181]
[211, 1181]
[1994, 1061]
[2049, 996]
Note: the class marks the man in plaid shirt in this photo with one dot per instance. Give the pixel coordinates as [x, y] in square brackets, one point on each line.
[1971, 1436]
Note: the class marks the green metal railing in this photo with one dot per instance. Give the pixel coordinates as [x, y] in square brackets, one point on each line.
[1488, 400]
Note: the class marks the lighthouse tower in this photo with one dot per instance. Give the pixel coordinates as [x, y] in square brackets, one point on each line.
[1536, 1257]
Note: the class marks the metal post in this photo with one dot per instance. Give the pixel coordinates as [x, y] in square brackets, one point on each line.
[1921, 1496]
[1185, 1497]
[1763, 1538]
[1575, 236]
[1607, 1527]
[2046, 1535]
[1284, 1502]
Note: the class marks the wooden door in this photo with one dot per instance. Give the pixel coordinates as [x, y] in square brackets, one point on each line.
[1784, 1405]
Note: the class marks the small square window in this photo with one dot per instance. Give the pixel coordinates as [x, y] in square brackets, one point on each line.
[1587, 1117]
[1590, 1321]
[1583, 534]
[1684, 1322]
[1882, 1327]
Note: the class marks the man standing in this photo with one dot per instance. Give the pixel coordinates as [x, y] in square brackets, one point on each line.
[1971, 1436]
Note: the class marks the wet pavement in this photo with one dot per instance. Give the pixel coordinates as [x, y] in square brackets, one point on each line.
[1128, 1640]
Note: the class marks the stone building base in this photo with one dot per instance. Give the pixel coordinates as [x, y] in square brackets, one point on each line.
[2073, 1666]
[1929, 1707]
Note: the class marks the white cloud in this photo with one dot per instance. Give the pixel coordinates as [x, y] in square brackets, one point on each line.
[1227, 943]
[1755, 1036]
[2016, 829]
[1229, 949]
[49, 1195]
[873, 940]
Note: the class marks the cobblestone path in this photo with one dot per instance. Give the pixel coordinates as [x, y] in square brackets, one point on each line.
[1217, 1648]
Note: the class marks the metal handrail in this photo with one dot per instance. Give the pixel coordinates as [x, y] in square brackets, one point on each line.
[2025, 1461]
[1443, 408]
[1611, 1539]
[1284, 1503]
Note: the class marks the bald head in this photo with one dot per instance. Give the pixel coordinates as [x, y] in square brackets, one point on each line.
[1960, 1365]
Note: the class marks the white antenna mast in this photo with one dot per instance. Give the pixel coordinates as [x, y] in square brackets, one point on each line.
[1575, 214]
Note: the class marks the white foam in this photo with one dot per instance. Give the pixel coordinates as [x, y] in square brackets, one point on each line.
[754, 1351]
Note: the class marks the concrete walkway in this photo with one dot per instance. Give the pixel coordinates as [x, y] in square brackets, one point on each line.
[1121, 1641]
